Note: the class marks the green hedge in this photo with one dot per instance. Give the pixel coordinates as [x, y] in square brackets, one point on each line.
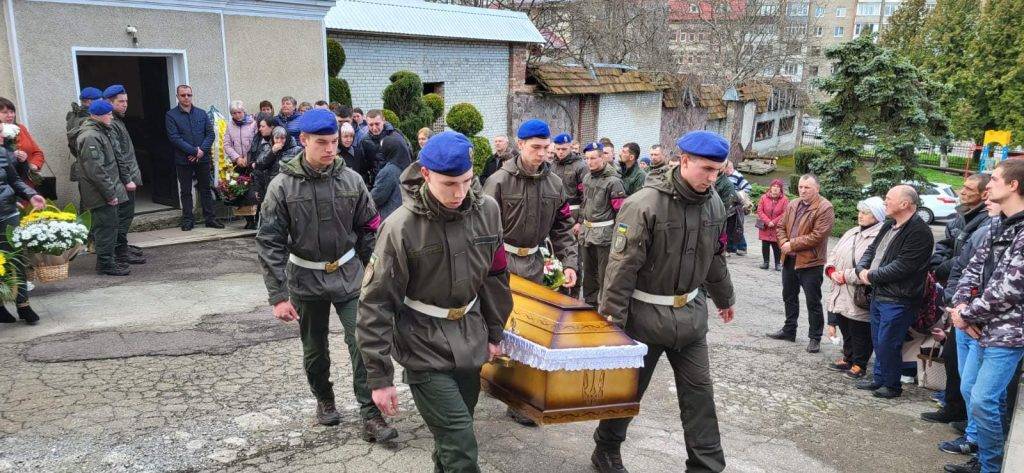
[338, 91]
[481, 151]
[435, 103]
[335, 58]
[465, 118]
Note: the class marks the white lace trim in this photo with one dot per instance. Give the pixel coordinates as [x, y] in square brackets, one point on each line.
[573, 359]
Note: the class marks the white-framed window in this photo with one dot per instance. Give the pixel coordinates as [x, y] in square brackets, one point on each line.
[891, 8]
[694, 8]
[792, 69]
[839, 32]
[857, 28]
[840, 12]
[819, 31]
[764, 130]
[819, 12]
[869, 9]
[798, 9]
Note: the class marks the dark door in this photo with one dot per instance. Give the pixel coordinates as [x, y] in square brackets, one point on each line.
[146, 80]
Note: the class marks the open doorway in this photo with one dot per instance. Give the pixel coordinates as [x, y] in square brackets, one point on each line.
[148, 80]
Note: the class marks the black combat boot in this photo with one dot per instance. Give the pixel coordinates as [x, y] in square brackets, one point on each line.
[125, 256]
[6, 317]
[26, 313]
[378, 430]
[607, 460]
[326, 413]
[135, 250]
[113, 269]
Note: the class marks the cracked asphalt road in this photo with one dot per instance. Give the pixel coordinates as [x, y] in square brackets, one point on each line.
[182, 368]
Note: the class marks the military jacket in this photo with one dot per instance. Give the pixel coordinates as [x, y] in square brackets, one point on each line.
[603, 195]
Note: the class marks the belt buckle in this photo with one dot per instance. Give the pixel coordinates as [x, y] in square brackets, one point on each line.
[520, 252]
[587, 223]
[456, 314]
[679, 301]
[331, 267]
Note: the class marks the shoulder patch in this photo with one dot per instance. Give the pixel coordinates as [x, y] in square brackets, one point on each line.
[368, 272]
[622, 228]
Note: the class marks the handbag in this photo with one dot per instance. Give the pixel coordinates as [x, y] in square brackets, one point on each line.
[861, 292]
[931, 369]
[760, 224]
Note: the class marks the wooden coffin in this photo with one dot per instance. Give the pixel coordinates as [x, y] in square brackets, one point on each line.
[550, 338]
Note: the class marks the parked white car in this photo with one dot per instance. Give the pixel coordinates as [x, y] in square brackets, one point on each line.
[938, 201]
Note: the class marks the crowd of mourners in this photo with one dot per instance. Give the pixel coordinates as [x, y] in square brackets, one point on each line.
[895, 294]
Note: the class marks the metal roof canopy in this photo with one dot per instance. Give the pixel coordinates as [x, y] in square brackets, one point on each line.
[417, 18]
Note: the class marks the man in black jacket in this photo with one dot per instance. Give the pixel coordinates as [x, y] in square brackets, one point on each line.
[971, 217]
[895, 266]
[373, 155]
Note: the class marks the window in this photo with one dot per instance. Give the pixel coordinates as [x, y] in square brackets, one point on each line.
[702, 37]
[819, 31]
[694, 8]
[798, 9]
[679, 36]
[768, 10]
[764, 130]
[840, 12]
[869, 9]
[815, 51]
[786, 125]
[839, 32]
[891, 8]
[819, 11]
[812, 71]
[869, 27]
[857, 28]
[792, 69]
[691, 37]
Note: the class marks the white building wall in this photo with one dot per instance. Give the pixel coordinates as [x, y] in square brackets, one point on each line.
[778, 143]
[473, 72]
[630, 117]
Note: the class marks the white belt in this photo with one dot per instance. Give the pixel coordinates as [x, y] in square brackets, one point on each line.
[671, 301]
[520, 251]
[439, 312]
[589, 224]
[574, 207]
[329, 267]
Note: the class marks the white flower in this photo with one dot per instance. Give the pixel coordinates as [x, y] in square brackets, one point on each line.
[10, 131]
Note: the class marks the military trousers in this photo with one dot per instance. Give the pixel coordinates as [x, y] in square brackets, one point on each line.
[692, 373]
[314, 329]
[105, 221]
[595, 260]
[125, 215]
[446, 400]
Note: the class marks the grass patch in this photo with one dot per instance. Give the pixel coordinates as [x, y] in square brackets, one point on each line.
[938, 177]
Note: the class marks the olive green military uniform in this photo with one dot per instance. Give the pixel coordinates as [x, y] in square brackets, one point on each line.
[533, 207]
[99, 183]
[632, 178]
[667, 245]
[603, 191]
[311, 216]
[128, 170]
[452, 261]
[73, 120]
[571, 170]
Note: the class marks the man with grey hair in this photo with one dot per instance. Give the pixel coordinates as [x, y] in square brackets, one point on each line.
[895, 265]
[803, 238]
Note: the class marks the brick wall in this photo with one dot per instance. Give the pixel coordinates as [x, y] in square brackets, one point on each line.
[588, 118]
[630, 117]
[472, 72]
[517, 56]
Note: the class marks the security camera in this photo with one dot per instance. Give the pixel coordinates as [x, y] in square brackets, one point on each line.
[131, 30]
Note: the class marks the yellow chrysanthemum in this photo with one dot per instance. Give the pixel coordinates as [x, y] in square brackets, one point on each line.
[48, 215]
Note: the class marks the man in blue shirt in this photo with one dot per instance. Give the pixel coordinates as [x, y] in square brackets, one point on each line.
[190, 132]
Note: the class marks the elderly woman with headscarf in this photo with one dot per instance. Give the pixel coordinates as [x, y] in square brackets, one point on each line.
[351, 151]
[770, 210]
[853, 320]
[387, 192]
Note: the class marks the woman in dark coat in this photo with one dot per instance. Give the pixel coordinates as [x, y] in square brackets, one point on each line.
[11, 189]
[271, 146]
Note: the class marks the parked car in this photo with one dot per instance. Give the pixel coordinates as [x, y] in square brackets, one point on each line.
[812, 127]
[938, 201]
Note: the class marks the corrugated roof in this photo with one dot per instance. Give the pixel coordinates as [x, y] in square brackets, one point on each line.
[432, 20]
[565, 80]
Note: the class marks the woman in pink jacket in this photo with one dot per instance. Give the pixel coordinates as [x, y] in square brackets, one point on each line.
[238, 138]
[770, 211]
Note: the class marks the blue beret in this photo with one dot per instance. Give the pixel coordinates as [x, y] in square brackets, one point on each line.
[447, 153]
[704, 144]
[562, 139]
[100, 107]
[90, 93]
[645, 159]
[533, 128]
[113, 91]
[318, 121]
[595, 146]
